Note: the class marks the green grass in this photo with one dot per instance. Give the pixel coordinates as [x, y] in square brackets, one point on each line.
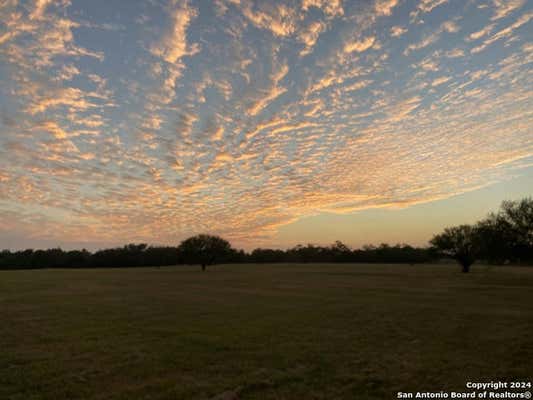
[262, 331]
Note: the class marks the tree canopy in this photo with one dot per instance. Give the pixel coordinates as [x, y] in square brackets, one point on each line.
[205, 250]
[459, 243]
[502, 237]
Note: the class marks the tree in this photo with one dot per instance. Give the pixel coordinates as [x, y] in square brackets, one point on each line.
[340, 252]
[204, 250]
[460, 243]
[508, 234]
[516, 220]
[495, 240]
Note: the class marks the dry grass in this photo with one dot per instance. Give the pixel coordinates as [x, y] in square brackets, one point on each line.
[261, 331]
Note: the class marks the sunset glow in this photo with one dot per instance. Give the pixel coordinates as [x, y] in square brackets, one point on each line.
[261, 121]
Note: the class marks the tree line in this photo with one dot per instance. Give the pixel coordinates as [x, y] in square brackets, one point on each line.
[502, 237]
[141, 255]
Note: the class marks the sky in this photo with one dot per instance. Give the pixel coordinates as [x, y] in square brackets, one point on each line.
[269, 123]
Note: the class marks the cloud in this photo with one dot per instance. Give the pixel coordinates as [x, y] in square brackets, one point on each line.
[264, 125]
[332, 78]
[402, 109]
[53, 128]
[73, 98]
[40, 8]
[310, 35]
[292, 127]
[68, 72]
[173, 45]
[271, 95]
[357, 86]
[330, 7]
[107, 134]
[506, 32]
[273, 92]
[397, 31]
[455, 53]
[483, 32]
[218, 134]
[426, 6]
[46, 35]
[429, 64]
[223, 157]
[503, 8]
[359, 46]
[279, 19]
[447, 26]
[440, 81]
[384, 7]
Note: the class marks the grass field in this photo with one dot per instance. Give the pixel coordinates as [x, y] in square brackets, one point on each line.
[261, 331]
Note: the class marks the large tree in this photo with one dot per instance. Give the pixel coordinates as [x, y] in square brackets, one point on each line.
[459, 243]
[516, 219]
[204, 250]
[508, 234]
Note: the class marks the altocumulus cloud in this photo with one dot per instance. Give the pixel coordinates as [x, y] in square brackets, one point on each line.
[238, 117]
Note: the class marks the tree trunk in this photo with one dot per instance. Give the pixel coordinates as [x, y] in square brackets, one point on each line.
[203, 267]
[466, 260]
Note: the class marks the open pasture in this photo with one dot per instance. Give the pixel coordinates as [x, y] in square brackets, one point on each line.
[261, 331]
